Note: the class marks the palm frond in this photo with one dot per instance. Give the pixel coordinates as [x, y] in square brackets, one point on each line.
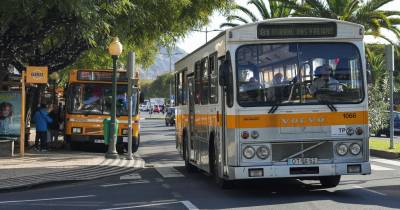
[232, 18]
[262, 9]
[228, 25]
[248, 13]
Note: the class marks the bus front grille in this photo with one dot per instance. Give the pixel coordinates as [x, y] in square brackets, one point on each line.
[323, 150]
[94, 131]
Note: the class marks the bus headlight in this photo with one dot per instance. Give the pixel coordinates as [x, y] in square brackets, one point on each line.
[355, 149]
[249, 152]
[254, 134]
[76, 130]
[262, 152]
[341, 149]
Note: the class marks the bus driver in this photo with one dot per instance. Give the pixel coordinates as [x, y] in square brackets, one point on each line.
[325, 81]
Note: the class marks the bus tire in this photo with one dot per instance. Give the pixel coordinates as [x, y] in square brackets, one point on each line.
[120, 149]
[188, 166]
[329, 181]
[214, 168]
[135, 145]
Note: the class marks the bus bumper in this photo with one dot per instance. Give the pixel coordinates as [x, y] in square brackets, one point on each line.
[94, 139]
[298, 171]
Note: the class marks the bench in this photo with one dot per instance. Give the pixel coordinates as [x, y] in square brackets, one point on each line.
[7, 146]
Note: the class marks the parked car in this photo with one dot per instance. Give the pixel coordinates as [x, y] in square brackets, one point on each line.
[386, 130]
[144, 108]
[156, 109]
[170, 117]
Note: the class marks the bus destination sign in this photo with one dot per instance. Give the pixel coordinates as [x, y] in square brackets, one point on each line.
[105, 76]
[296, 30]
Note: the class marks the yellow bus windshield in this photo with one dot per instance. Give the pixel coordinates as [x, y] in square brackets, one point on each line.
[96, 99]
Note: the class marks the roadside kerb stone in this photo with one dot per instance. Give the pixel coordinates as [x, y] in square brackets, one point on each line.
[384, 154]
[53, 167]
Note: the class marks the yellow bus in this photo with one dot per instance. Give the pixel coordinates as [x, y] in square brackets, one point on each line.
[88, 99]
[281, 98]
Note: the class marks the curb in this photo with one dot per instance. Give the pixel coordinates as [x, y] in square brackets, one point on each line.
[65, 180]
[384, 154]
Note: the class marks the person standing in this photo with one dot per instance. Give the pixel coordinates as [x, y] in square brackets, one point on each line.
[55, 125]
[42, 121]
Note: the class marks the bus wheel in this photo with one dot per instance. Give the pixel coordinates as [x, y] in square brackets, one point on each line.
[214, 168]
[188, 166]
[135, 145]
[329, 181]
[120, 149]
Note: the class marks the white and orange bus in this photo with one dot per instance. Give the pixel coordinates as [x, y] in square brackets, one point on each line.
[281, 98]
[88, 99]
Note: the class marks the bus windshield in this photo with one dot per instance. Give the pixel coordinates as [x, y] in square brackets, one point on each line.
[299, 73]
[97, 99]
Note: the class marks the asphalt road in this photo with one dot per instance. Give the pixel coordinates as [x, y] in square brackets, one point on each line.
[164, 184]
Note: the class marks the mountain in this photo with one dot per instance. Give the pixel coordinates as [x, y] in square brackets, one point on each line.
[161, 64]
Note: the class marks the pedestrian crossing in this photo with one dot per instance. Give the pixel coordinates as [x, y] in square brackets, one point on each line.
[107, 168]
[379, 164]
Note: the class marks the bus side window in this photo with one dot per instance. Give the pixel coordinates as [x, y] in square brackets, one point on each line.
[213, 78]
[197, 82]
[204, 81]
[176, 89]
[182, 86]
[229, 87]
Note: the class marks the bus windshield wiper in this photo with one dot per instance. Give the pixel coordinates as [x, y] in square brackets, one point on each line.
[330, 106]
[273, 109]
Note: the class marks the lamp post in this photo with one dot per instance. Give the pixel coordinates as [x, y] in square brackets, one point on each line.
[207, 31]
[114, 49]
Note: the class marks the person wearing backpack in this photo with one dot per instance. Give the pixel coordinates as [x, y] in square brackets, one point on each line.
[42, 121]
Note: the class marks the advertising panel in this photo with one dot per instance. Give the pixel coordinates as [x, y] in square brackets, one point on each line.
[10, 113]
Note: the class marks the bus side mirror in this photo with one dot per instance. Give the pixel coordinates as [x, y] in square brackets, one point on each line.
[369, 77]
[224, 73]
[141, 97]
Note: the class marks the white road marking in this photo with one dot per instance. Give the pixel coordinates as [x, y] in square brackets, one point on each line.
[47, 199]
[189, 205]
[366, 189]
[130, 176]
[166, 186]
[385, 161]
[140, 206]
[169, 172]
[125, 183]
[380, 168]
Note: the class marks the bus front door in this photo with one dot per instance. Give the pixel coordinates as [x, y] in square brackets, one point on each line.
[192, 114]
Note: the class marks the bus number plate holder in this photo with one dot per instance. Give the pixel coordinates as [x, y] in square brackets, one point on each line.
[99, 141]
[303, 161]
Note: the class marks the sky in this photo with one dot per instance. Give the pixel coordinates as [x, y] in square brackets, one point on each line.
[194, 40]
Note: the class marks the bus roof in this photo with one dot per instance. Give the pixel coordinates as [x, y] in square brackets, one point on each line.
[274, 20]
[96, 76]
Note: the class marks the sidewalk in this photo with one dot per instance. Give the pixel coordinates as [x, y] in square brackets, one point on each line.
[38, 168]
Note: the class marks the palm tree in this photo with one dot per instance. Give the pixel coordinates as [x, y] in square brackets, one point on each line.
[367, 13]
[276, 9]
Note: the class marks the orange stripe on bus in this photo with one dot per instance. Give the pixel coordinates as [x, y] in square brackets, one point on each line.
[280, 120]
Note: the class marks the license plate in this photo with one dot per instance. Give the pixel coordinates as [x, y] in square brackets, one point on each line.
[125, 139]
[303, 161]
[99, 141]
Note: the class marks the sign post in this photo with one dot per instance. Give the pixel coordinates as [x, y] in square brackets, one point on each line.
[22, 128]
[131, 75]
[33, 75]
[389, 55]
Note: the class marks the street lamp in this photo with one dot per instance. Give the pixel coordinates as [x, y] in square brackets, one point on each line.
[114, 49]
[207, 31]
